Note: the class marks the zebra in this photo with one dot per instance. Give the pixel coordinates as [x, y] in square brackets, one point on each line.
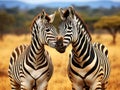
[30, 66]
[88, 66]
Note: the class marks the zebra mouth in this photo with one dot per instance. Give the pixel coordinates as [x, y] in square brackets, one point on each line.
[61, 49]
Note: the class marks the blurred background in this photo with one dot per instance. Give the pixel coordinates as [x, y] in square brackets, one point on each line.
[101, 16]
[17, 15]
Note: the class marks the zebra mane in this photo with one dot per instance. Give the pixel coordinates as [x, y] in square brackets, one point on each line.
[86, 31]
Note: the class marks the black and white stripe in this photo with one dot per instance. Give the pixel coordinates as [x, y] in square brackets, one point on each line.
[88, 67]
[30, 65]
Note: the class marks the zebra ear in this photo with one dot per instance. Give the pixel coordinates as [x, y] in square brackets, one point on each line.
[71, 11]
[52, 17]
[61, 11]
[43, 14]
[68, 13]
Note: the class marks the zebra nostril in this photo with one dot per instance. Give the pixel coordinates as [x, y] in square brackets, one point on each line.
[59, 43]
[60, 47]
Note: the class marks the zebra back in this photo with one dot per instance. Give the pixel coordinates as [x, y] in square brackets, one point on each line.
[83, 27]
[101, 47]
[16, 53]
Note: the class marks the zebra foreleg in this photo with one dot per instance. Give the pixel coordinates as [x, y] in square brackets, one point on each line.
[96, 86]
[42, 85]
[26, 85]
[77, 87]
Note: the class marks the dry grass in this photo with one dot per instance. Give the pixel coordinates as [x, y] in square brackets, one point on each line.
[59, 80]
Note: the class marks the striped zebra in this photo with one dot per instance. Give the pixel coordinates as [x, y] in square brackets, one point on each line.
[88, 66]
[30, 66]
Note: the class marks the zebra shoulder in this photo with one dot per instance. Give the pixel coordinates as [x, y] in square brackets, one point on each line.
[101, 47]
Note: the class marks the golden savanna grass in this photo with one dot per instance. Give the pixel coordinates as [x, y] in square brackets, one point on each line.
[59, 80]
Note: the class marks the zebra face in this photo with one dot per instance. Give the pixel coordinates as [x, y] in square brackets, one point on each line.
[66, 33]
[67, 29]
[49, 33]
[44, 30]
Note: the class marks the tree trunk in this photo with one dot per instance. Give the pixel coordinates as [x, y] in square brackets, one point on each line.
[113, 32]
[114, 38]
[1, 35]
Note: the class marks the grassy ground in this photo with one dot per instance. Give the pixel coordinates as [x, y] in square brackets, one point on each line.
[59, 80]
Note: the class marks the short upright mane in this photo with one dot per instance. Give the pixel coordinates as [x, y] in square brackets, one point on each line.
[85, 26]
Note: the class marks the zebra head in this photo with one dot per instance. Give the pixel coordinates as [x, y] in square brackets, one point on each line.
[43, 30]
[67, 28]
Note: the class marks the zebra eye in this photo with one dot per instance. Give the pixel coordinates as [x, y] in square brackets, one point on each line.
[47, 30]
[69, 27]
[65, 26]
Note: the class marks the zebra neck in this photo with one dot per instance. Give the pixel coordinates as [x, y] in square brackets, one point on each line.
[81, 27]
[81, 49]
[36, 53]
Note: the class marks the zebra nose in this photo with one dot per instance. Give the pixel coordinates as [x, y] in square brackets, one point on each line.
[59, 42]
[59, 45]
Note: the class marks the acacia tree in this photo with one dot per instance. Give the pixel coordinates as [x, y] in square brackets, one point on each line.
[5, 21]
[109, 23]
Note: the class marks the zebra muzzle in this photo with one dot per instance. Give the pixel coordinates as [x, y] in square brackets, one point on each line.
[59, 45]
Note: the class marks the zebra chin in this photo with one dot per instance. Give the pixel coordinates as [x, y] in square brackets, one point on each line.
[61, 49]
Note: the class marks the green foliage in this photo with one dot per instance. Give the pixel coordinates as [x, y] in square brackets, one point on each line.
[6, 18]
[5, 21]
[23, 18]
[13, 10]
[57, 20]
[109, 23]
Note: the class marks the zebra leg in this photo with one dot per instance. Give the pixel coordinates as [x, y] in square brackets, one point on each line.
[26, 84]
[96, 86]
[42, 86]
[77, 84]
[76, 87]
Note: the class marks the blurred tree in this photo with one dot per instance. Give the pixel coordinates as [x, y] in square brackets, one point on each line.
[22, 23]
[5, 21]
[109, 23]
[13, 10]
[90, 22]
[57, 20]
[23, 17]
